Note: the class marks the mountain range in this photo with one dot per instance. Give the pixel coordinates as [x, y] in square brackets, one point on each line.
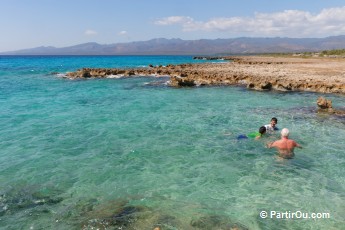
[176, 46]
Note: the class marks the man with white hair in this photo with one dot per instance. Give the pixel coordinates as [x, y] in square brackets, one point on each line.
[285, 145]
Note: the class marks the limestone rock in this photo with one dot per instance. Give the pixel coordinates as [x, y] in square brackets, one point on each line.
[258, 73]
[324, 104]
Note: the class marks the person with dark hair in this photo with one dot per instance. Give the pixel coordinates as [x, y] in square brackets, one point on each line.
[256, 135]
[270, 128]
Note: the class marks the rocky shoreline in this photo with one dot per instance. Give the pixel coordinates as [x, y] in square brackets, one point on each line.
[324, 75]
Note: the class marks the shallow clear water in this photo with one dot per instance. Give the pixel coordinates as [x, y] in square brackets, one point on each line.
[75, 154]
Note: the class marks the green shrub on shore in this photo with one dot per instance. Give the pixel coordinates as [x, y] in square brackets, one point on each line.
[324, 53]
[333, 52]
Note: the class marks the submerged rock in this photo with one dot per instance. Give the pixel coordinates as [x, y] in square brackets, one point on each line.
[216, 222]
[124, 216]
[17, 199]
[114, 215]
[181, 81]
[127, 214]
[131, 217]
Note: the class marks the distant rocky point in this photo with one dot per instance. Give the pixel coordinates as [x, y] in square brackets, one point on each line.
[212, 58]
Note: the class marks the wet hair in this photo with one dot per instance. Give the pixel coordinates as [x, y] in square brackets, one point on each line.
[262, 130]
[285, 132]
[274, 119]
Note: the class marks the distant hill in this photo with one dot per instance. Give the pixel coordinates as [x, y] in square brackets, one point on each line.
[162, 46]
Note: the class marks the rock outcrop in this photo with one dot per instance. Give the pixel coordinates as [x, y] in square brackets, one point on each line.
[257, 73]
[325, 106]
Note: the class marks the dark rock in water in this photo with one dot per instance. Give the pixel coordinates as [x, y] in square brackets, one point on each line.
[266, 86]
[216, 222]
[85, 206]
[86, 75]
[167, 221]
[124, 217]
[180, 81]
[260, 86]
[29, 197]
[117, 215]
[3, 204]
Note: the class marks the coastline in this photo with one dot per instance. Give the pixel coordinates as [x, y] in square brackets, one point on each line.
[157, 156]
[323, 75]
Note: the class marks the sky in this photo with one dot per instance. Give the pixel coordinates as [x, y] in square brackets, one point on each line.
[60, 23]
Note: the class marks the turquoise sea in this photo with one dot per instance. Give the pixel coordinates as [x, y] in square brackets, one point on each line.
[134, 153]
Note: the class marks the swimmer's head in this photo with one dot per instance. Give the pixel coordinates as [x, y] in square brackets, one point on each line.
[262, 130]
[285, 132]
[274, 121]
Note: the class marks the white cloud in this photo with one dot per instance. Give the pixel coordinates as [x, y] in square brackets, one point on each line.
[90, 32]
[123, 32]
[174, 20]
[285, 23]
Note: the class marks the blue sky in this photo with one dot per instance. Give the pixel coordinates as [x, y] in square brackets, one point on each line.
[60, 23]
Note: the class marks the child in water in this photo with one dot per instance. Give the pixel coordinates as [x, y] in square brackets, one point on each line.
[256, 135]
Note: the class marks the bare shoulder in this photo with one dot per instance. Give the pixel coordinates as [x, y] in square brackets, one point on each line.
[298, 145]
[277, 142]
[273, 144]
[295, 144]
